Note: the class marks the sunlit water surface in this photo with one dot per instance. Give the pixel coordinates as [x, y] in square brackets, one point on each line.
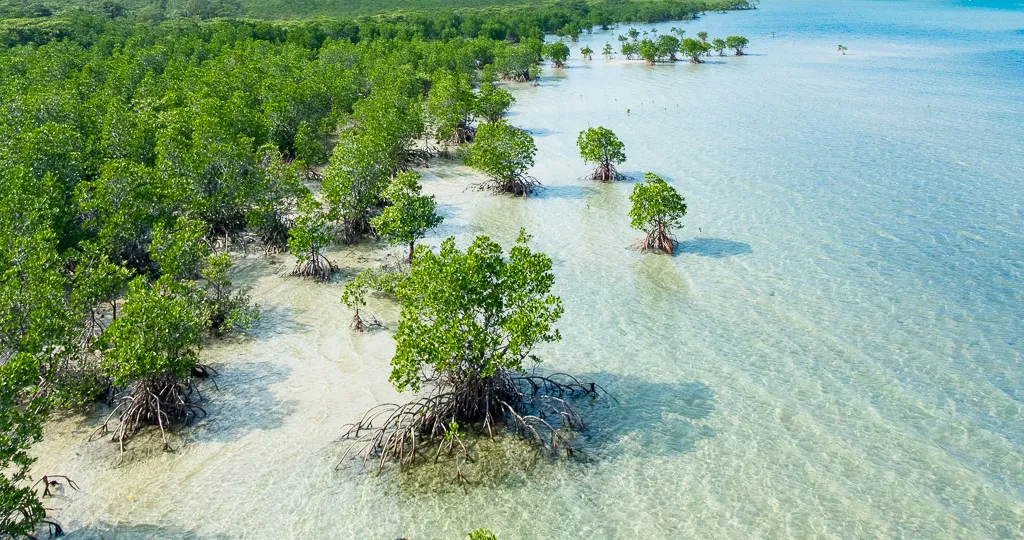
[834, 351]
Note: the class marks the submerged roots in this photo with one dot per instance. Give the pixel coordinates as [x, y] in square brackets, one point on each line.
[535, 407]
[519, 186]
[606, 172]
[162, 401]
[316, 266]
[657, 239]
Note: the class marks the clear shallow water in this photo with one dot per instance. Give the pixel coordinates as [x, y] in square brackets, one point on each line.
[835, 351]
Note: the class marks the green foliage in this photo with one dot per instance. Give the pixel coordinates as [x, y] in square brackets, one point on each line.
[482, 534]
[514, 63]
[505, 154]
[32, 332]
[278, 190]
[473, 312]
[409, 214]
[648, 51]
[312, 231]
[655, 204]
[355, 177]
[450, 106]
[228, 309]
[738, 43]
[384, 279]
[587, 52]
[557, 52]
[159, 333]
[600, 145]
[22, 411]
[607, 51]
[718, 45]
[702, 36]
[493, 102]
[120, 208]
[311, 144]
[667, 46]
[180, 251]
[630, 49]
[695, 49]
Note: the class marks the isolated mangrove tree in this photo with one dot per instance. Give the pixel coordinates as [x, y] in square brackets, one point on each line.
[505, 154]
[409, 214]
[657, 210]
[469, 323]
[600, 145]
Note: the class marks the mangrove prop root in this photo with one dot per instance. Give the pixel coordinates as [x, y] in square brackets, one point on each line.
[657, 239]
[360, 324]
[316, 266]
[53, 481]
[519, 186]
[162, 401]
[535, 407]
[605, 172]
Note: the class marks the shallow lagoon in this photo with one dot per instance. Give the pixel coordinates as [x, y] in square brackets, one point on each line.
[834, 351]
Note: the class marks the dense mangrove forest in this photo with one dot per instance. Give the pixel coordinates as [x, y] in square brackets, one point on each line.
[141, 153]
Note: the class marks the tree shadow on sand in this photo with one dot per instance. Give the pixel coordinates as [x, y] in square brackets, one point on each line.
[564, 191]
[713, 247]
[109, 531]
[242, 402]
[646, 418]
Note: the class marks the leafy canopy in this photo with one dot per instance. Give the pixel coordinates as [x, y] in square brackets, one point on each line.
[737, 42]
[410, 214]
[312, 231]
[557, 52]
[600, 145]
[648, 51]
[493, 102]
[718, 45]
[450, 105]
[159, 332]
[470, 313]
[694, 48]
[655, 205]
[503, 152]
[181, 250]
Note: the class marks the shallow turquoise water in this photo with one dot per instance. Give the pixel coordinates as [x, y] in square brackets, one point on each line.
[835, 351]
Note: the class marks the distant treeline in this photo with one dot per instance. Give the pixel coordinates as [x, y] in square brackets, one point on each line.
[155, 10]
[37, 24]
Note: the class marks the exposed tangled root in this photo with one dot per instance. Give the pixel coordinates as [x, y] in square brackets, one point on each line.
[605, 172]
[535, 407]
[52, 481]
[312, 175]
[518, 76]
[316, 266]
[162, 401]
[657, 239]
[360, 324]
[519, 186]
[464, 134]
[414, 158]
[273, 236]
